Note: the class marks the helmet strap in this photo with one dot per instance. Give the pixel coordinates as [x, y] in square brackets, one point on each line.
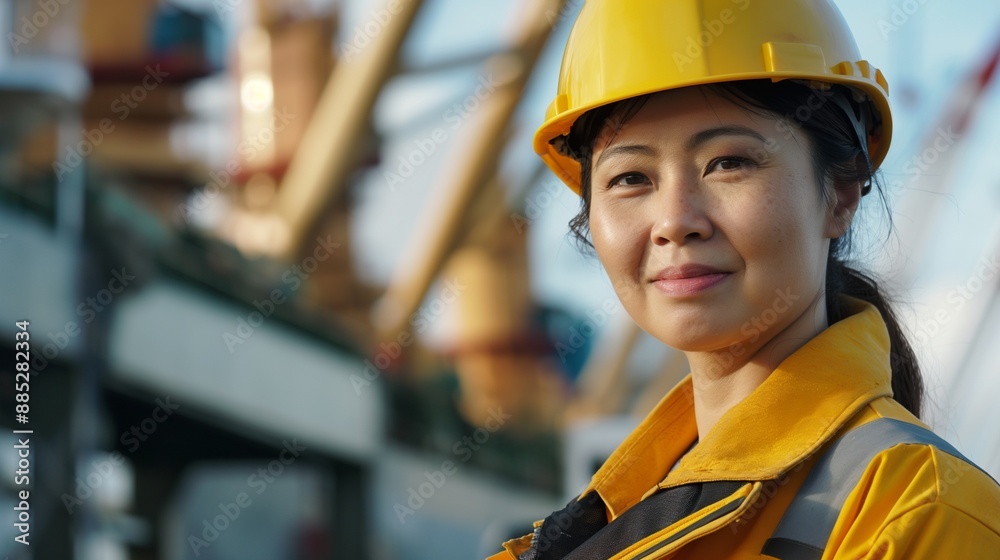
[859, 113]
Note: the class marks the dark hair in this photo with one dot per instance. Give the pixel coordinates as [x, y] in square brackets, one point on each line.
[837, 150]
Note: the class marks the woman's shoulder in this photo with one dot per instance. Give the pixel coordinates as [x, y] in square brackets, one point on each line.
[921, 496]
[921, 474]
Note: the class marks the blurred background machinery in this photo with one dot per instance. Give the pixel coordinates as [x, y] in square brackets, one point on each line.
[298, 288]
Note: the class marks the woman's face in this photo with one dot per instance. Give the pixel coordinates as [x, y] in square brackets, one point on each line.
[710, 221]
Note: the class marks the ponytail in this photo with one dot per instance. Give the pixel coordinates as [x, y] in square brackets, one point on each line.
[907, 384]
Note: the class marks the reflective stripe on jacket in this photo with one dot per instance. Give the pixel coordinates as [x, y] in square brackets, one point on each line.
[726, 495]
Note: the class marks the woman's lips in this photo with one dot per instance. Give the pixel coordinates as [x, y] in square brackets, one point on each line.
[689, 286]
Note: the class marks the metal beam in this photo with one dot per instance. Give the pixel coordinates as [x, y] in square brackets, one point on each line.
[476, 158]
[328, 153]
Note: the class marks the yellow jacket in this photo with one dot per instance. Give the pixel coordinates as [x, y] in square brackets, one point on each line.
[912, 500]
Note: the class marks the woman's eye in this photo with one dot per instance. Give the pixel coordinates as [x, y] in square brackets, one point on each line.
[728, 163]
[629, 180]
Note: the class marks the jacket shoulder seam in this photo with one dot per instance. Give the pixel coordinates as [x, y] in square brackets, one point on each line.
[935, 498]
[888, 526]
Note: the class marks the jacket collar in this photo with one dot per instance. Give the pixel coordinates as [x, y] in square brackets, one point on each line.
[799, 407]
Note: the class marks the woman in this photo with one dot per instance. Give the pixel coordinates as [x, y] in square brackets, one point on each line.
[722, 149]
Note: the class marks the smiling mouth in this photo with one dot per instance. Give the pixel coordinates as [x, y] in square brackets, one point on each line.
[691, 285]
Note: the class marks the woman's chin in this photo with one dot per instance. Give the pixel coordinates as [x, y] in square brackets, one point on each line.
[687, 339]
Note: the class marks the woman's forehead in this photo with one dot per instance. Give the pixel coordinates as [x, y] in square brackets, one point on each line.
[698, 106]
[678, 114]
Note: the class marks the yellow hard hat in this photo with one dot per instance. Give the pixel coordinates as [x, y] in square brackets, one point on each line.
[620, 49]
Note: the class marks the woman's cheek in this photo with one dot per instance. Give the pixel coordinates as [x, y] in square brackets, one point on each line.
[619, 245]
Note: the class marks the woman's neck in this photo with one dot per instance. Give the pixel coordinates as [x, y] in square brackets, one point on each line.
[722, 379]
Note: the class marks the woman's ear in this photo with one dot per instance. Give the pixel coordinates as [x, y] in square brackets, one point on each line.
[844, 199]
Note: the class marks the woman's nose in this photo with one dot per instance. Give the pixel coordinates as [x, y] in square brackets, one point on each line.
[678, 214]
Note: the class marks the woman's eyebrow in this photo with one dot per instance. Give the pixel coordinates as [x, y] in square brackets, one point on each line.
[695, 141]
[621, 149]
[729, 130]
